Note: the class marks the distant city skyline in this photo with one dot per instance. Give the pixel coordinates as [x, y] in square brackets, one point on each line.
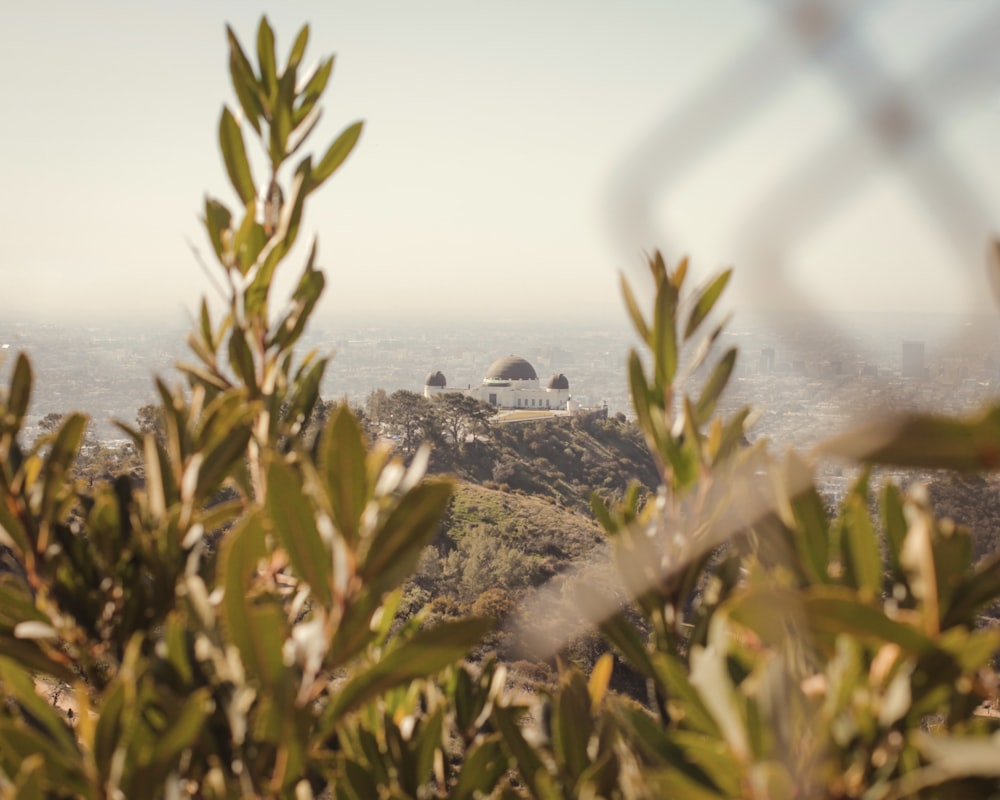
[516, 156]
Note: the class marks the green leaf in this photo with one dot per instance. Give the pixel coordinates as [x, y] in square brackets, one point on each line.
[65, 449]
[217, 219]
[482, 768]
[674, 680]
[298, 48]
[249, 239]
[242, 362]
[429, 743]
[12, 532]
[244, 81]
[20, 390]
[305, 392]
[529, 764]
[307, 294]
[186, 727]
[295, 526]
[18, 684]
[313, 90]
[664, 341]
[705, 302]
[660, 748]
[627, 641]
[832, 610]
[635, 313]
[256, 627]
[860, 541]
[571, 725]
[392, 553]
[425, 654]
[281, 117]
[980, 590]
[30, 779]
[302, 129]
[710, 677]
[229, 418]
[924, 441]
[715, 385]
[19, 743]
[343, 469]
[732, 436]
[265, 57]
[810, 526]
[235, 155]
[337, 154]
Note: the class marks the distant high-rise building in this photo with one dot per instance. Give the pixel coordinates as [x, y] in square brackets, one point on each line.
[913, 360]
[767, 359]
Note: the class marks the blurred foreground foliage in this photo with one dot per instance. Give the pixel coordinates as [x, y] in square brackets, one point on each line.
[228, 628]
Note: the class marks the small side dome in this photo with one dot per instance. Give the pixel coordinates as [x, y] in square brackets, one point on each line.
[435, 379]
[511, 368]
[558, 382]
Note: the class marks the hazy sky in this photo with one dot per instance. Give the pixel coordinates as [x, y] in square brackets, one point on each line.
[517, 155]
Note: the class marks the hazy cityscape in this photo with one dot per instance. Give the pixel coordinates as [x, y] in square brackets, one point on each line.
[804, 380]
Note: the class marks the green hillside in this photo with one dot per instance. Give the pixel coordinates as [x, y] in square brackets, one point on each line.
[563, 459]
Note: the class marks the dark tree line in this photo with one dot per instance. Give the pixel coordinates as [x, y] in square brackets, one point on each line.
[410, 419]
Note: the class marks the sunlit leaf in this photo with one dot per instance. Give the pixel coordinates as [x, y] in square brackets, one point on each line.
[832, 610]
[571, 724]
[295, 525]
[392, 554]
[634, 311]
[235, 156]
[705, 302]
[483, 766]
[860, 541]
[298, 47]
[336, 154]
[715, 384]
[19, 396]
[265, 57]
[925, 441]
[343, 457]
[426, 654]
[244, 81]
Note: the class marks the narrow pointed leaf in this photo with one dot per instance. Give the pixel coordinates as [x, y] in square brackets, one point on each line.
[20, 390]
[343, 459]
[705, 302]
[235, 156]
[298, 47]
[244, 81]
[265, 57]
[425, 654]
[635, 313]
[295, 526]
[337, 154]
[715, 385]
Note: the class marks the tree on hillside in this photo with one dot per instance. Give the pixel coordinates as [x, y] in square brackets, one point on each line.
[459, 416]
[407, 418]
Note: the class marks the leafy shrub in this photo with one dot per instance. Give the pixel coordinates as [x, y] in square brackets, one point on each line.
[494, 604]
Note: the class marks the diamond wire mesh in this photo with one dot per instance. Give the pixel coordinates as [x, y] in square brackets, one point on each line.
[892, 125]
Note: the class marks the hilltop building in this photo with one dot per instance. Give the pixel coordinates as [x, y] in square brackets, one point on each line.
[510, 383]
